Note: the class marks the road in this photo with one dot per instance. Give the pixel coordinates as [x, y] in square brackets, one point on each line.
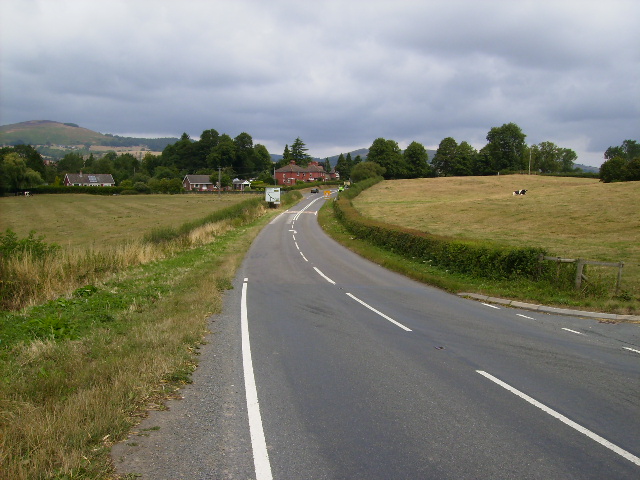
[327, 366]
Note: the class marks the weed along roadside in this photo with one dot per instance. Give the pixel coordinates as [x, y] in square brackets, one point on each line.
[79, 370]
[481, 266]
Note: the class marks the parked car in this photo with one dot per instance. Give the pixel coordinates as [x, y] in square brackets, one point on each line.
[315, 190]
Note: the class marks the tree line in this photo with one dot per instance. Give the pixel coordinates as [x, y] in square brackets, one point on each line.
[505, 152]
[22, 167]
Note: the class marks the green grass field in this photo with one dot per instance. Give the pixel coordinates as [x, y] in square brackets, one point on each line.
[569, 217]
[93, 220]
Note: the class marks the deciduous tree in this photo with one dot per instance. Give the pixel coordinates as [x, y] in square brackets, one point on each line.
[506, 147]
[387, 154]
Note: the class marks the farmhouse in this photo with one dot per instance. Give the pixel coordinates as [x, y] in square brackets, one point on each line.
[89, 180]
[198, 183]
[290, 174]
[241, 184]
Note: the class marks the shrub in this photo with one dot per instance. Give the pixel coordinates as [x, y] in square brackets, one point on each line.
[12, 246]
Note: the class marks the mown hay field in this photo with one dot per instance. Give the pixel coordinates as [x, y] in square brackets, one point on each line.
[78, 220]
[569, 217]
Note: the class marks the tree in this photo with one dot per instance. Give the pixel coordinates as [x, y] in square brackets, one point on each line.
[182, 154]
[567, 160]
[506, 147]
[364, 170]
[208, 140]
[622, 164]
[223, 155]
[15, 175]
[71, 163]
[465, 159]
[629, 150]
[299, 153]
[387, 154]
[342, 167]
[445, 158]
[613, 170]
[243, 163]
[417, 160]
[32, 157]
[327, 165]
[262, 159]
[547, 157]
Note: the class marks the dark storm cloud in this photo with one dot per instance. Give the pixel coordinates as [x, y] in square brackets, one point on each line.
[336, 74]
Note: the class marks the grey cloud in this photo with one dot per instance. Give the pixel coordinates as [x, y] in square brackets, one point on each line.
[337, 74]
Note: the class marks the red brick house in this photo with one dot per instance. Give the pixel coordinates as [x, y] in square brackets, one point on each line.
[198, 183]
[88, 180]
[290, 174]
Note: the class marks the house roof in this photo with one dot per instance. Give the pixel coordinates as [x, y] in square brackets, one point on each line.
[90, 178]
[293, 168]
[200, 179]
[237, 181]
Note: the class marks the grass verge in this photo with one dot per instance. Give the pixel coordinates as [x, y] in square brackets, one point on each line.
[78, 371]
[520, 289]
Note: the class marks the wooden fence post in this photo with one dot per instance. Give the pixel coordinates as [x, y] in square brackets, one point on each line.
[619, 280]
[579, 269]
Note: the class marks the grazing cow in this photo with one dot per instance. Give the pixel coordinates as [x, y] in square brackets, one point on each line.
[520, 192]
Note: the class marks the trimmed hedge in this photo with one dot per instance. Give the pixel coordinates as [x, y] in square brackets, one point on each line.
[479, 259]
[64, 189]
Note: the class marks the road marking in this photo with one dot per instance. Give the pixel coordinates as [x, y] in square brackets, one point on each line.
[305, 258]
[324, 276]
[306, 206]
[524, 316]
[489, 305]
[563, 419]
[258, 442]
[297, 245]
[294, 237]
[573, 331]
[631, 349]
[379, 313]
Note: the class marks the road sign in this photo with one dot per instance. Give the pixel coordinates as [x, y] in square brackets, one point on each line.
[272, 195]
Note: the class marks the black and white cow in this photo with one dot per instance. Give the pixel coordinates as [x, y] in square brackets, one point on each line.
[520, 192]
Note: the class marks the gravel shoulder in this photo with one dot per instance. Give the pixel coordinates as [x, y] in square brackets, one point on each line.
[205, 434]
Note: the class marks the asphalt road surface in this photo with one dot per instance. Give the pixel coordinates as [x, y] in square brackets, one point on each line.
[327, 366]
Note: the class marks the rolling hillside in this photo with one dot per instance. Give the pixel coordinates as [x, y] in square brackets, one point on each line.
[47, 132]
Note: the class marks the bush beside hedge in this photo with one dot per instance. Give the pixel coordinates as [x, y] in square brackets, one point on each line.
[479, 259]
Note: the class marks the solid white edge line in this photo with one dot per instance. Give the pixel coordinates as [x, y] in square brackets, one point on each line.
[258, 442]
[631, 349]
[572, 331]
[324, 276]
[379, 313]
[593, 436]
[492, 306]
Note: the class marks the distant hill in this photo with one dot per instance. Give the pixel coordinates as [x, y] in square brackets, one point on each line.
[587, 168]
[47, 132]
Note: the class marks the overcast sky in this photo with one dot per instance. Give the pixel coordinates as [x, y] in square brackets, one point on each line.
[337, 74]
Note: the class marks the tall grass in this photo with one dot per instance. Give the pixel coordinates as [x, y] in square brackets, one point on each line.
[32, 278]
[79, 371]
